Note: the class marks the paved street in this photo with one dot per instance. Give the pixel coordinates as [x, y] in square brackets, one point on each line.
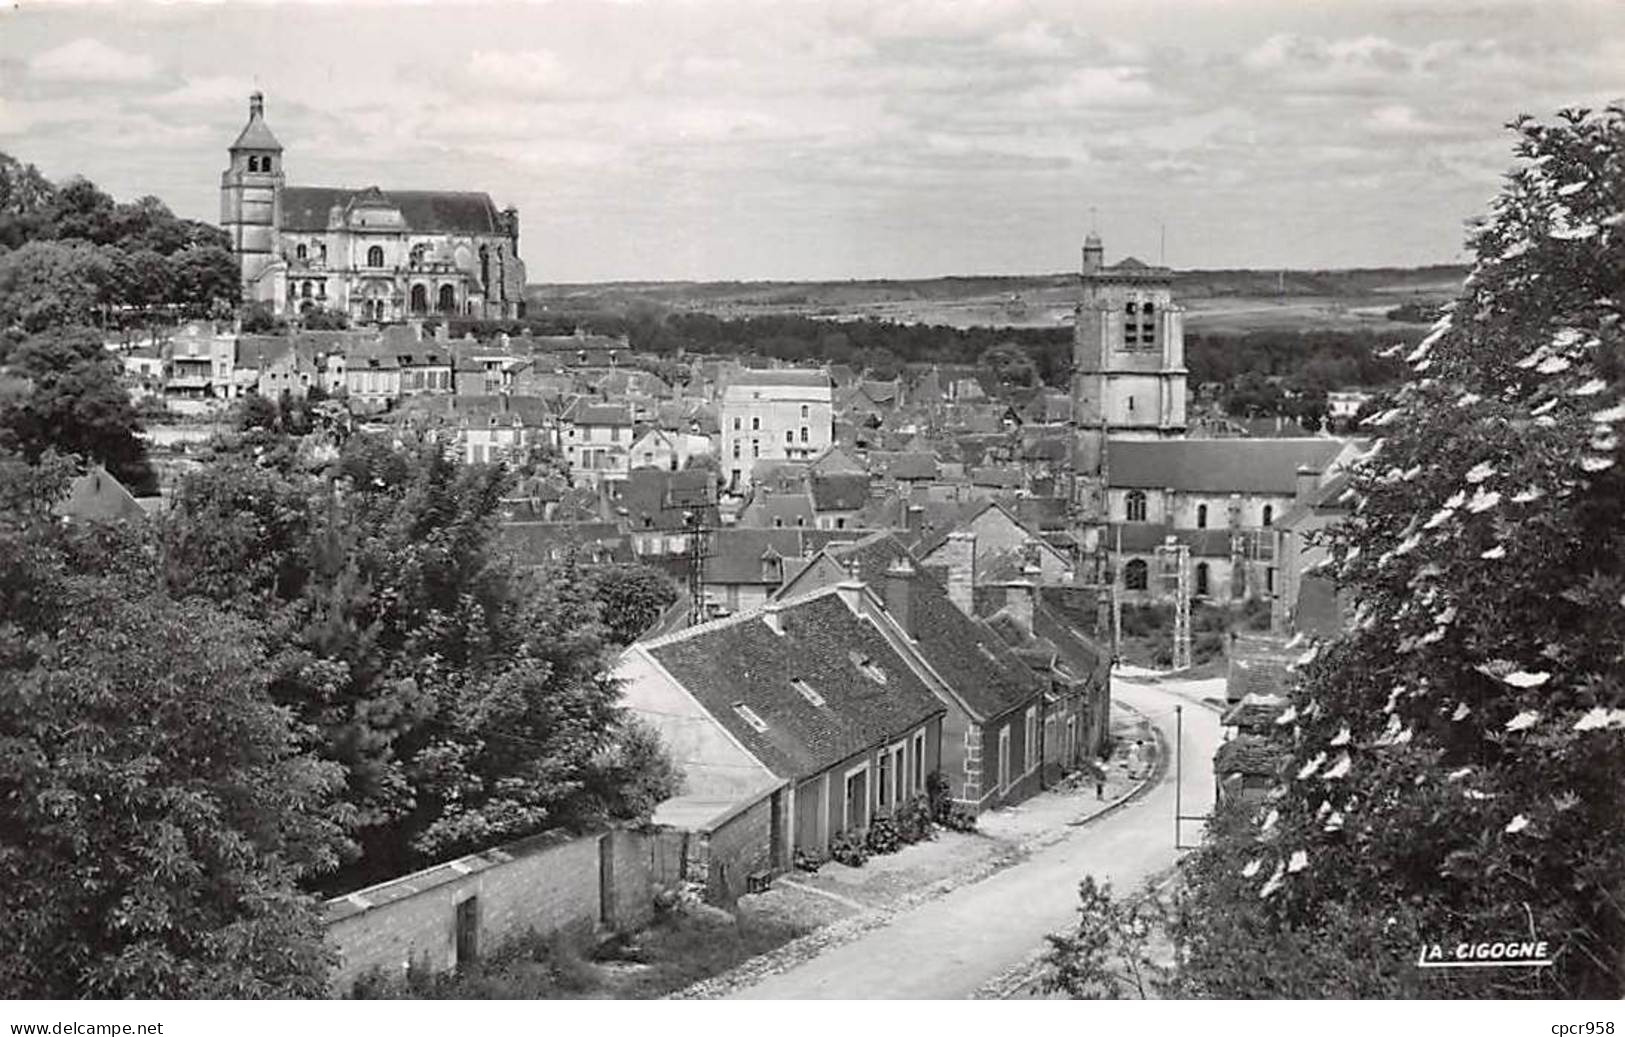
[949, 947]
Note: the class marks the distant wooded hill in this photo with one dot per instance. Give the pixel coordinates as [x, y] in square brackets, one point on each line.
[842, 295]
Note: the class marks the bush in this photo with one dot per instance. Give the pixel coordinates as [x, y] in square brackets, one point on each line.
[808, 862]
[959, 819]
[848, 848]
[939, 795]
[913, 820]
[883, 836]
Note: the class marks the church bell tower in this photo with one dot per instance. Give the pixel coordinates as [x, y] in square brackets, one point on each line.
[1128, 373]
[251, 205]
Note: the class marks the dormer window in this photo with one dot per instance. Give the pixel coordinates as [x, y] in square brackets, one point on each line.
[302, 252]
[806, 691]
[749, 716]
[375, 256]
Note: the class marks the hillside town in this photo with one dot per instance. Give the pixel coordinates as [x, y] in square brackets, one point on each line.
[376, 625]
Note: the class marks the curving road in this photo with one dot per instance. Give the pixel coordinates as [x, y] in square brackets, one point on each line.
[950, 947]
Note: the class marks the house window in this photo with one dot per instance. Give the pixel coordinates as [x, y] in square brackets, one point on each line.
[305, 290]
[1134, 575]
[1269, 514]
[749, 716]
[919, 762]
[1030, 745]
[789, 435]
[1201, 516]
[755, 448]
[301, 251]
[803, 412]
[1131, 405]
[1269, 580]
[1004, 760]
[736, 450]
[883, 781]
[854, 812]
[1136, 505]
[804, 433]
[736, 424]
[806, 691]
[755, 424]
[375, 256]
[1201, 580]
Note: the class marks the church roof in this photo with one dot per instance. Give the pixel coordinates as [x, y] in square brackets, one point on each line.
[1218, 465]
[256, 135]
[429, 212]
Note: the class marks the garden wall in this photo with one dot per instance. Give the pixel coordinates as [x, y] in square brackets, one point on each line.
[549, 883]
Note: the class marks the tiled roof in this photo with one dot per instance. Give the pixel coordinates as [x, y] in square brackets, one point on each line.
[652, 498]
[769, 510]
[736, 554]
[583, 413]
[1255, 712]
[1217, 465]
[903, 465]
[840, 492]
[532, 543]
[965, 651]
[1005, 477]
[1082, 656]
[1251, 756]
[1258, 666]
[741, 662]
[800, 377]
[428, 212]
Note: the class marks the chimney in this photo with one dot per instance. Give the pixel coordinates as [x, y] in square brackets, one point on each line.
[1308, 483]
[914, 519]
[773, 616]
[1018, 601]
[900, 594]
[959, 553]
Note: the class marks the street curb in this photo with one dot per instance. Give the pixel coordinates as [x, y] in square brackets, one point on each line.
[1027, 971]
[843, 931]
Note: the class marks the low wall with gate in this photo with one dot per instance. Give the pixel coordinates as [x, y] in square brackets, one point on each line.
[550, 883]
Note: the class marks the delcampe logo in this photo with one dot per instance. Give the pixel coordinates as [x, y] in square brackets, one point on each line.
[1485, 954]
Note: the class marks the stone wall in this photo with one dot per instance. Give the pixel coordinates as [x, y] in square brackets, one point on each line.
[734, 849]
[550, 883]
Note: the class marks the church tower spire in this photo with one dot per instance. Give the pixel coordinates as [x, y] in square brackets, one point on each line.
[251, 203]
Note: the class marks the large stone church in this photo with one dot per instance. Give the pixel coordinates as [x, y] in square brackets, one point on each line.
[377, 256]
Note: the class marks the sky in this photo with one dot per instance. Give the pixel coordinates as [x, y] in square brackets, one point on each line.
[769, 140]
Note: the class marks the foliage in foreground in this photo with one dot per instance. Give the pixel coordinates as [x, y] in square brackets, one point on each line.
[157, 810]
[1458, 757]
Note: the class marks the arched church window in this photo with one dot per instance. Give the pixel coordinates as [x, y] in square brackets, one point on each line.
[448, 299]
[485, 269]
[253, 164]
[1136, 505]
[302, 252]
[1269, 514]
[375, 256]
[420, 299]
[1135, 576]
[1128, 308]
[1202, 580]
[1201, 516]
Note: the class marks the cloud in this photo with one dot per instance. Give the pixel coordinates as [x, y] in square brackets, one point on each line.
[89, 60]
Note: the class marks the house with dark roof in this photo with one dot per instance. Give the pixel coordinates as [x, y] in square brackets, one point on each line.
[96, 496]
[770, 509]
[802, 720]
[1308, 600]
[531, 544]
[995, 747]
[659, 509]
[1003, 545]
[596, 439]
[837, 499]
[1220, 497]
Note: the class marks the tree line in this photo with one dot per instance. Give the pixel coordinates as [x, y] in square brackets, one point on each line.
[71, 255]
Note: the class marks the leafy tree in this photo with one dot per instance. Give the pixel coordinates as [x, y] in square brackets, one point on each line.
[630, 598]
[156, 810]
[1107, 955]
[466, 701]
[77, 405]
[48, 284]
[1458, 756]
[1011, 364]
